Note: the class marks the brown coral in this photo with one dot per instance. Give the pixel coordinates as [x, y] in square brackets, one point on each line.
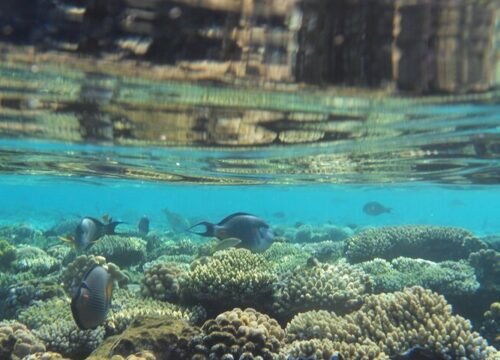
[17, 341]
[162, 281]
[389, 324]
[240, 334]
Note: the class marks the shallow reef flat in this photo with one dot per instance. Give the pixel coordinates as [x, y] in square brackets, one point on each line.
[317, 292]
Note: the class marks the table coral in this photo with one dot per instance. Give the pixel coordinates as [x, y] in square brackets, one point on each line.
[436, 243]
[34, 259]
[17, 341]
[338, 287]
[448, 277]
[389, 324]
[240, 334]
[230, 278]
[121, 250]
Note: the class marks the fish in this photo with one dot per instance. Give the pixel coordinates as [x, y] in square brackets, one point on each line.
[279, 214]
[176, 221]
[143, 225]
[418, 353]
[374, 208]
[92, 299]
[226, 244]
[254, 233]
[88, 231]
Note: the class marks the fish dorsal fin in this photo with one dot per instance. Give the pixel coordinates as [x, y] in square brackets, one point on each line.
[106, 218]
[97, 221]
[229, 217]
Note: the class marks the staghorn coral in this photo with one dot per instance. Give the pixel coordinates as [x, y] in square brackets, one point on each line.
[164, 338]
[389, 324]
[490, 326]
[436, 243]
[121, 250]
[285, 257]
[35, 260]
[240, 334]
[7, 254]
[230, 277]
[448, 277]
[339, 287]
[126, 307]
[162, 281]
[52, 322]
[17, 341]
[487, 266]
[74, 272]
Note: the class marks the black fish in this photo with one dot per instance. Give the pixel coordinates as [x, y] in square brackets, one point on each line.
[143, 226]
[92, 299]
[90, 230]
[419, 353]
[374, 208]
[254, 232]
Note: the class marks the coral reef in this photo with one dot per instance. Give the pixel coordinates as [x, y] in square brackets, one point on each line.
[74, 272]
[21, 234]
[229, 278]
[17, 341]
[34, 259]
[126, 307]
[162, 281]
[49, 355]
[487, 266]
[52, 322]
[338, 287]
[25, 293]
[240, 334]
[447, 278]
[386, 325]
[490, 326]
[307, 233]
[165, 338]
[284, 257]
[7, 254]
[326, 251]
[121, 250]
[436, 243]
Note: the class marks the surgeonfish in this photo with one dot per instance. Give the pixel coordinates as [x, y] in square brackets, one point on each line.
[254, 233]
[90, 230]
[374, 208]
[92, 299]
[143, 226]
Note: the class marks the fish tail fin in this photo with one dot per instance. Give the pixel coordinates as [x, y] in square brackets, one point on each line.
[209, 229]
[110, 228]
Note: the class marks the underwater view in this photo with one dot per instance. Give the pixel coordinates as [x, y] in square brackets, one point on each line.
[249, 179]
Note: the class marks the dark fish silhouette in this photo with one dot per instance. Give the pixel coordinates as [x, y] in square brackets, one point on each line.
[92, 299]
[254, 232]
[90, 230]
[418, 353]
[143, 225]
[374, 208]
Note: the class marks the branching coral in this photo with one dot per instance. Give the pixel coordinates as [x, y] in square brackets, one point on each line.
[448, 277]
[34, 259]
[436, 243]
[231, 277]
[487, 266]
[121, 250]
[52, 322]
[389, 324]
[490, 326]
[339, 287]
[240, 334]
[7, 254]
[285, 257]
[162, 281]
